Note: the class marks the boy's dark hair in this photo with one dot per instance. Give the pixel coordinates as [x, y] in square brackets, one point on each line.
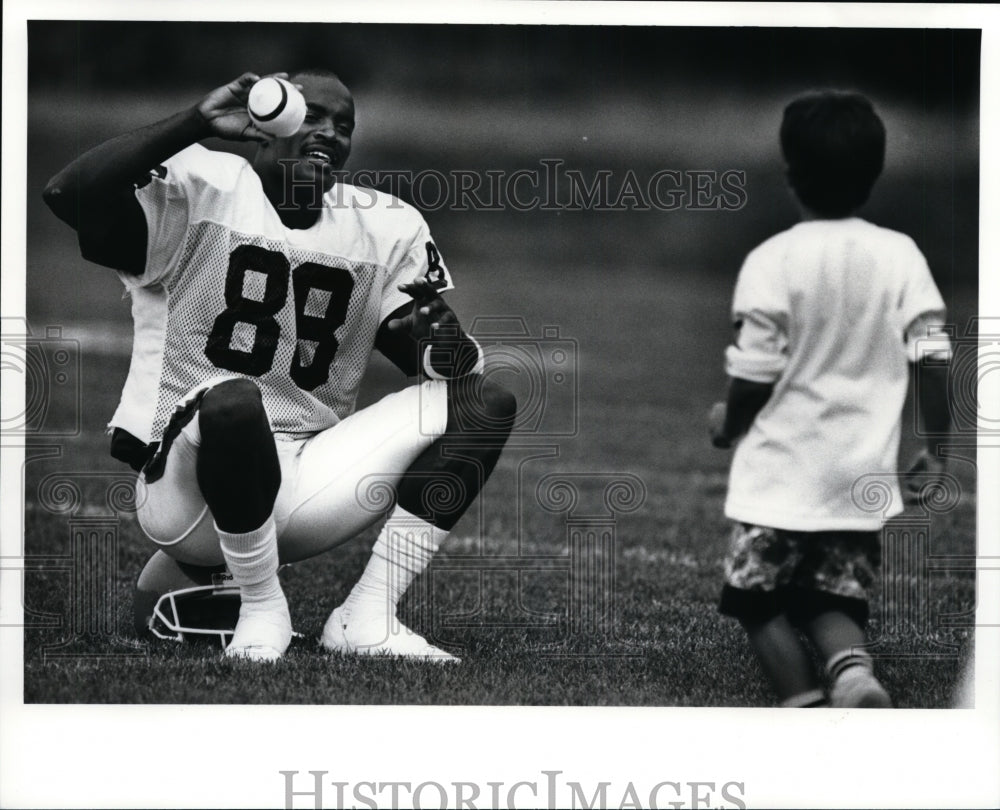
[834, 145]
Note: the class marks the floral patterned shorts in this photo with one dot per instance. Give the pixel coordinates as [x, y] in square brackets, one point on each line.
[842, 563]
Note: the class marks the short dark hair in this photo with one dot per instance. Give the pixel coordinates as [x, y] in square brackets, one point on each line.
[834, 144]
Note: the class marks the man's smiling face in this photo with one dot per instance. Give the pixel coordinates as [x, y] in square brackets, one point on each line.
[312, 156]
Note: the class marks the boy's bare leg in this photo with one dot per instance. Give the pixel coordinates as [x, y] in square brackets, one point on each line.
[834, 632]
[785, 660]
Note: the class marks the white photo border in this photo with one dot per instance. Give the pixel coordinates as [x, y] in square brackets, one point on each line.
[194, 756]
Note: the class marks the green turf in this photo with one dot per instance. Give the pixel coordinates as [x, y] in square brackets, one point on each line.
[649, 367]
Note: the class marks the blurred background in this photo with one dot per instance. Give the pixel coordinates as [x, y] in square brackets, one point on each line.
[644, 294]
[497, 97]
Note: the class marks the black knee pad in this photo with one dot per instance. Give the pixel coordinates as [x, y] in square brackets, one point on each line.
[500, 403]
[233, 406]
[238, 468]
[480, 405]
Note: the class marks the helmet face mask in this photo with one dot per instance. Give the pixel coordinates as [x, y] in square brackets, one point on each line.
[181, 602]
[202, 611]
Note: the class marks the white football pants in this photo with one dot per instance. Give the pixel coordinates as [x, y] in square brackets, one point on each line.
[334, 484]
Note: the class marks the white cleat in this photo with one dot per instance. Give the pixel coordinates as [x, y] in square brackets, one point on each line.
[376, 636]
[262, 633]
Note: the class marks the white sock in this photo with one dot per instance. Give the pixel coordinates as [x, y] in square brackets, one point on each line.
[252, 559]
[403, 550]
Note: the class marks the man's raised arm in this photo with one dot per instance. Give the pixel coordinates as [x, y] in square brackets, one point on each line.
[95, 194]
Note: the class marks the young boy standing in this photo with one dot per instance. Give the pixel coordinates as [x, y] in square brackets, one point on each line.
[827, 314]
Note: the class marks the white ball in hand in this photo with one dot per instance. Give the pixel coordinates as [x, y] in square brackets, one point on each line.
[276, 107]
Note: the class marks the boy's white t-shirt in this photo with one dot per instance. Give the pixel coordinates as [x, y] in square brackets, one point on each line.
[830, 312]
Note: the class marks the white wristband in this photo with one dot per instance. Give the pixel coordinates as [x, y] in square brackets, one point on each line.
[476, 369]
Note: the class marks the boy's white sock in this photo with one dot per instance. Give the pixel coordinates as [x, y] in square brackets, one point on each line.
[845, 660]
[403, 550]
[853, 682]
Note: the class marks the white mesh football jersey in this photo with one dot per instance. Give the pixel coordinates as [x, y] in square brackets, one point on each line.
[229, 290]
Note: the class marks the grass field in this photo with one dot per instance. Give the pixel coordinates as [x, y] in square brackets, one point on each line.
[647, 371]
[643, 299]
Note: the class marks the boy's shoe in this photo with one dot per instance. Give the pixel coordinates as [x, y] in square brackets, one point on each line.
[858, 688]
[371, 636]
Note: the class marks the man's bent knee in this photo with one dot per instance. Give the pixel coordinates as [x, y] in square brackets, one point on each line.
[478, 404]
[500, 404]
[234, 407]
[238, 469]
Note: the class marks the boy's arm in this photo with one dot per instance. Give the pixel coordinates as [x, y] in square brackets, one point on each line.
[95, 194]
[935, 416]
[932, 403]
[758, 355]
[928, 346]
[731, 419]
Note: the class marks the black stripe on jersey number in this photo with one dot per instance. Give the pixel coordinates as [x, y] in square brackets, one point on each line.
[306, 277]
[435, 272]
